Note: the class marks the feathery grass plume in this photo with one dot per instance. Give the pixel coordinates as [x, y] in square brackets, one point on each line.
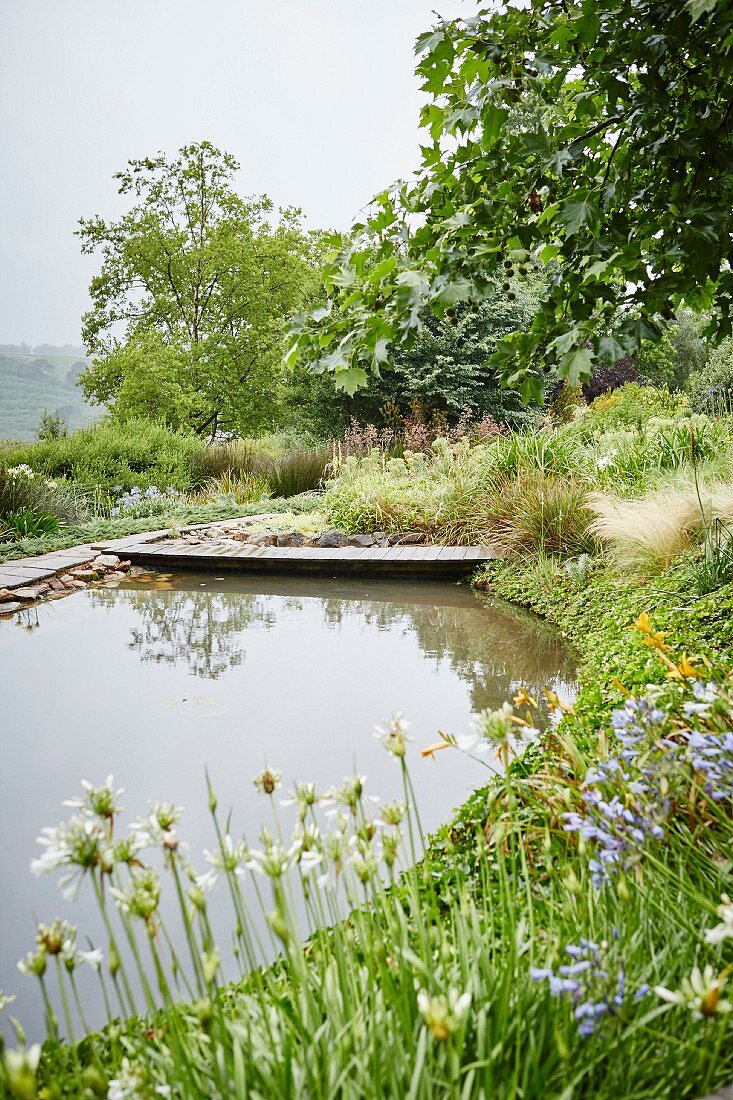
[647, 533]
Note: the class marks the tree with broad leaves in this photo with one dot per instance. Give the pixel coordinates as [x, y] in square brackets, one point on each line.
[194, 294]
[619, 182]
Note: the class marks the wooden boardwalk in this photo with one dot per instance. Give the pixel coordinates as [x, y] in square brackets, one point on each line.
[428, 562]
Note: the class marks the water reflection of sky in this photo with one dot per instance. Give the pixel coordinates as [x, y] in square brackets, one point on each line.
[156, 682]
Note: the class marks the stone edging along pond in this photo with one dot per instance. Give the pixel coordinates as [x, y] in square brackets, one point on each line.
[25, 581]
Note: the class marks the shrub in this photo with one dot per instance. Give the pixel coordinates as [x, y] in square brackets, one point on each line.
[540, 450]
[21, 488]
[682, 350]
[51, 426]
[634, 456]
[606, 379]
[424, 491]
[711, 388]
[633, 404]
[512, 493]
[567, 403]
[115, 456]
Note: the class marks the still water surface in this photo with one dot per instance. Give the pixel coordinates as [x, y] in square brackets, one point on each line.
[156, 681]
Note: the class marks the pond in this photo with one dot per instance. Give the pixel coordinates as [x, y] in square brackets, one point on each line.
[159, 678]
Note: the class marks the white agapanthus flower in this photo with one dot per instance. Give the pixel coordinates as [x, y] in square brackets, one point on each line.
[20, 1069]
[700, 993]
[102, 801]
[93, 957]
[724, 930]
[130, 1083]
[81, 844]
[228, 858]
[307, 847]
[272, 861]
[393, 735]
[156, 829]
[304, 796]
[443, 1015]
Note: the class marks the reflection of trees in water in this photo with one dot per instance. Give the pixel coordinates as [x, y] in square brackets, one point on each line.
[204, 630]
[488, 644]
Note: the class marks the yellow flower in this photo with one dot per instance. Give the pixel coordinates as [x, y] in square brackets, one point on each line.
[554, 702]
[687, 665]
[652, 638]
[524, 699]
[435, 747]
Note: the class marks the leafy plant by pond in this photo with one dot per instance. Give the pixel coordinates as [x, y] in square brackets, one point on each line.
[28, 523]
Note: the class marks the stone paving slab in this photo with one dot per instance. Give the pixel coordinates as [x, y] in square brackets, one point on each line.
[22, 571]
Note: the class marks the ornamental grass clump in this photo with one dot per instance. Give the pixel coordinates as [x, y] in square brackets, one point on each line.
[538, 513]
[647, 533]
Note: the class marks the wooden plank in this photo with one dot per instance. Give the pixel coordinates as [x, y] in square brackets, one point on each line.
[348, 553]
[402, 553]
[430, 553]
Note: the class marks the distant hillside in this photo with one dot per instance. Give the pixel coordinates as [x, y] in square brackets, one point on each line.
[38, 380]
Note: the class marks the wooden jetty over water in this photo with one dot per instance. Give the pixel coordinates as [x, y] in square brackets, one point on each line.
[157, 550]
[427, 562]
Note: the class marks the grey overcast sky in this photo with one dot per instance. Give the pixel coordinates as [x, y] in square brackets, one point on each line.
[316, 98]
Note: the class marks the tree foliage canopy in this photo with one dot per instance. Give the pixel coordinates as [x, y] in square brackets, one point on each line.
[445, 372]
[619, 180]
[194, 294]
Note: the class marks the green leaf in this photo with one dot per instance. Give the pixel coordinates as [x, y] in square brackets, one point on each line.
[563, 343]
[537, 142]
[597, 269]
[577, 366]
[494, 120]
[612, 348]
[698, 8]
[556, 162]
[459, 290]
[350, 380]
[579, 215]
